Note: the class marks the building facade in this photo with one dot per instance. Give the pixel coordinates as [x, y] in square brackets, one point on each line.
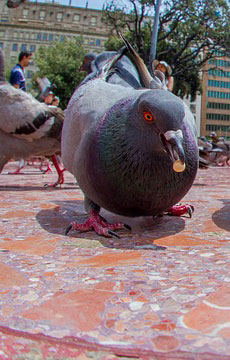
[37, 24]
[215, 106]
[32, 25]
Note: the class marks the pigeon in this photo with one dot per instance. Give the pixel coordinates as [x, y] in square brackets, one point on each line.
[214, 152]
[124, 73]
[87, 63]
[27, 127]
[12, 4]
[133, 150]
[45, 87]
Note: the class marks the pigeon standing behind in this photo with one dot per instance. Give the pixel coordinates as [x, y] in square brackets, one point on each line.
[27, 127]
[12, 4]
[133, 151]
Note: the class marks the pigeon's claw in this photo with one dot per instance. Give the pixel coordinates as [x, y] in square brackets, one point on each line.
[126, 226]
[179, 210]
[69, 227]
[59, 181]
[99, 225]
[113, 234]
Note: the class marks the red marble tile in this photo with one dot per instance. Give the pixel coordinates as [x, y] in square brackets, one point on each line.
[225, 333]
[183, 240]
[165, 325]
[33, 245]
[80, 310]
[165, 343]
[210, 226]
[205, 318]
[113, 259]
[18, 214]
[221, 297]
[10, 277]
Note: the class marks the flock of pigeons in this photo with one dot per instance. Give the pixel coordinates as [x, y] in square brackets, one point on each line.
[215, 151]
[130, 143]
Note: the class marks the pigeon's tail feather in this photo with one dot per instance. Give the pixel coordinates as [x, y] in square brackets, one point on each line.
[2, 67]
[109, 67]
[158, 80]
[155, 82]
[145, 76]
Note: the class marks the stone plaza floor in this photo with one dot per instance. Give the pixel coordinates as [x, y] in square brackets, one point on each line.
[86, 297]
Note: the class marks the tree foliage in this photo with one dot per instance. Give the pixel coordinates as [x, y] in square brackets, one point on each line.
[190, 33]
[60, 64]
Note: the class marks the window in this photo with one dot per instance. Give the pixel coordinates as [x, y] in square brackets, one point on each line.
[2, 33]
[15, 47]
[32, 48]
[44, 37]
[13, 59]
[23, 47]
[29, 74]
[39, 36]
[76, 18]
[98, 42]
[50, 37]
[59, 16]
[1, 45]
[62, 38]
[93, 20]
[25, 13]
[42, 14]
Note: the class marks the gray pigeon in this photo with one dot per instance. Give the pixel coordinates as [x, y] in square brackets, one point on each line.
[133, 151]
[45, 87]
[12, 4]
[27, 127]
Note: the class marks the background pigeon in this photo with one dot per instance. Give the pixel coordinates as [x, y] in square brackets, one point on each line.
[133, 150]
[27, 127]
[45, 87]
[12, 4]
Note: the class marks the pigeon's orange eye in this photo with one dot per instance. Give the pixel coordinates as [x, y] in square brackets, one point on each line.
[148, 116]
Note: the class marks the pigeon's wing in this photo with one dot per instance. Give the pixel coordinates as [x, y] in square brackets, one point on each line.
[43, 83]
[22, 116]
[84, 112]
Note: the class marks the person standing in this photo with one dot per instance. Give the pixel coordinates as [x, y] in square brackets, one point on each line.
[166, 70]
[17, 75]
[17, 79]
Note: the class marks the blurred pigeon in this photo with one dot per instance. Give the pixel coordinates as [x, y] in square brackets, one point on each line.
[12, 4]
[132, 150]
[45, 87]
[27, 127]
[87, 63]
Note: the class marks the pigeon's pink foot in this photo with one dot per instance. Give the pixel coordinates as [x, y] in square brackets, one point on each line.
[99, 225]
[47, 170]
[179, 210]
[60, 172]
[16, 172]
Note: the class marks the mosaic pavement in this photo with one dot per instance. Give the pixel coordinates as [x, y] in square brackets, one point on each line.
[86, 297]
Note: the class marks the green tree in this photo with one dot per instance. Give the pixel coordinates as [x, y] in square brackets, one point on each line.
[60, 64]
[190, 33]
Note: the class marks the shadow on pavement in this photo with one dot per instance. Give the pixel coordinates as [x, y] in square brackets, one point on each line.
[144, 229]
[221, 217]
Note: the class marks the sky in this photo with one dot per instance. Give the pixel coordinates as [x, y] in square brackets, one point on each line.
[92, 4]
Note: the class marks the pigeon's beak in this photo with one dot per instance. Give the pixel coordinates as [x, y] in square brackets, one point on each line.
[172, 141]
